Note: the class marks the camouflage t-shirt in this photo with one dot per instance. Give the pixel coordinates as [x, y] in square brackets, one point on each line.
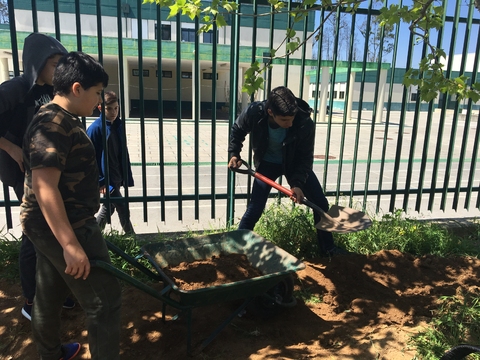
[56, 138]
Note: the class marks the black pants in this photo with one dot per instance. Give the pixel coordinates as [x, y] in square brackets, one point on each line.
[312, 190]
[27, 258]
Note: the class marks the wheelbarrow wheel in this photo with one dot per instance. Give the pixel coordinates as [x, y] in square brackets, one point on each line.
[274, 300]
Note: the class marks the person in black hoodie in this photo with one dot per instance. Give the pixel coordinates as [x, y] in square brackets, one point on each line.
[20, 99]
[282, 137]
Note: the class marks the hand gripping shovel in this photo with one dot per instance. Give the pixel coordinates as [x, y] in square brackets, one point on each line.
[338, 219]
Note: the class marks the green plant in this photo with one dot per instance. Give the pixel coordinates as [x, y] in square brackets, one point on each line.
[417, 237]
[291, 227]
[456, 321]
[130, 246]
[307, 296]
[9, 252]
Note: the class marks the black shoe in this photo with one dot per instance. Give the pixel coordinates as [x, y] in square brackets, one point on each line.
[334, 251]
[69, 303]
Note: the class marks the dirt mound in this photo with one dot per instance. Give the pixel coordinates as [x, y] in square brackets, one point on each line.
[371, 305]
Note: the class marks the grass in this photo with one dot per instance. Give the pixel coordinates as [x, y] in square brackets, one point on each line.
[455, 321]
[292, 228]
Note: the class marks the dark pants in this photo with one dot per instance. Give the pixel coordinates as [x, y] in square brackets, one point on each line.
[312, 190]
[27, 258]
[122, 210]
[99, 295]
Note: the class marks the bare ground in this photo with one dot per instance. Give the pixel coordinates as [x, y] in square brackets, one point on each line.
[371, 305]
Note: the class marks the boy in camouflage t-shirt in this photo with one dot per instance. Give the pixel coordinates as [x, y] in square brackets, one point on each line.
[58, 208]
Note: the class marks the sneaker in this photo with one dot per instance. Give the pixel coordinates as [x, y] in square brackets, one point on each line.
[334, 251]
[27, 307]
[27, 310]
[69, 303]
[70, 351]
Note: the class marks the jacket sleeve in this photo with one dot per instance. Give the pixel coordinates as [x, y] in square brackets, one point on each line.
[303, 161]
[12, 93]
[95, 134]
[242, 126]
[121, 134]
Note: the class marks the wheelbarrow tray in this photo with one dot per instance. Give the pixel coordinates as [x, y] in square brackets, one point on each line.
[274, 263]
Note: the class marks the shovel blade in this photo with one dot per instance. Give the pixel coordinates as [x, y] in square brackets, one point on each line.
[341, 219]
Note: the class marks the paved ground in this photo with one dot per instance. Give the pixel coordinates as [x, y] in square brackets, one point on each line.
[360, 169]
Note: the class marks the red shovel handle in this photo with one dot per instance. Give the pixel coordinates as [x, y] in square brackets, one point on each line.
[263, 178]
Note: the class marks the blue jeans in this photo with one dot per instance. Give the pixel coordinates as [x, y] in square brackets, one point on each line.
[312, 190]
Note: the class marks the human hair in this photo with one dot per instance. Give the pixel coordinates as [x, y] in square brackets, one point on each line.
[77, 66]
[110, 97]
[282, 102]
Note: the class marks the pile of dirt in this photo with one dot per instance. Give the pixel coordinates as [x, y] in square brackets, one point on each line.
[370, 307]
[217, 270]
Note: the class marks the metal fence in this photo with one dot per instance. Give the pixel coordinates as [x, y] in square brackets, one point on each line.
[378, 147]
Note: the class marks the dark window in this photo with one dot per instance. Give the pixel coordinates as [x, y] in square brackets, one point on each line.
[188, 35]
[165, 73]
[186, 74]
[413, 97]
[334, 94]
[166, 32]
[342, 95]
[136, 72]
[208, 37]
[208, 76]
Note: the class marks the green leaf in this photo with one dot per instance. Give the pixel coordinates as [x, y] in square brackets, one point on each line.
[220, 20]
[292, 46]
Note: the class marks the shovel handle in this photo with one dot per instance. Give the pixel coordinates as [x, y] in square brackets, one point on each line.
[263, 178]
[275, 185]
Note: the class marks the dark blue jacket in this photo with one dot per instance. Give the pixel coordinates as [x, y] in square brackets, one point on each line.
[95, 132]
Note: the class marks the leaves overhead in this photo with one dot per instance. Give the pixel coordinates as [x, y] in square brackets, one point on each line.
[422, 17]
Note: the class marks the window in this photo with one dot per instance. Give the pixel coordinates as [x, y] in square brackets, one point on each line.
[342, 95]
[208, 37]
[413, 97]
[136, 72]
[334, 94]
[186, 74]
[208, 76]
[188, 35]
[166, 32]
[165, 73]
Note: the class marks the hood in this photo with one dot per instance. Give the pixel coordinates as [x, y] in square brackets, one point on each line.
[37, 49]
[303, 108]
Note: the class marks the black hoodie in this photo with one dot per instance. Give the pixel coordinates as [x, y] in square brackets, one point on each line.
[297, 149]
[20, 97]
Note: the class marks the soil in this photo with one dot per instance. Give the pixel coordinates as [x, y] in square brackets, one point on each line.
[371, 306]
[216, 271]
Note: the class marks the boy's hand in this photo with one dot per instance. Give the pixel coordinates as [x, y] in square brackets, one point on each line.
[13, 150]
[77, 261]
[298, 195]
[234, 163]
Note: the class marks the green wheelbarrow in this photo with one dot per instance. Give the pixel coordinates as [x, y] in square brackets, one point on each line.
[274, 287]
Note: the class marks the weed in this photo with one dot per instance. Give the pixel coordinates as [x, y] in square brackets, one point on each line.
[456, 321]
[9, 253]
[291, 227]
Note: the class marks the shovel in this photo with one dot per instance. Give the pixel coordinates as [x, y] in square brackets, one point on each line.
[338, 219]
